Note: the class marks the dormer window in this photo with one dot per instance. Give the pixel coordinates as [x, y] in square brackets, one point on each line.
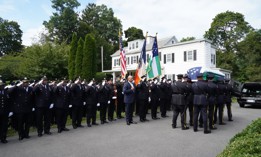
[172, 42]
[133, 46]
[137, 44]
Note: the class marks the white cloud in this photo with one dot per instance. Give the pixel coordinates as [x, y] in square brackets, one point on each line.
[6, 7]
[32, 35]
[179, 18]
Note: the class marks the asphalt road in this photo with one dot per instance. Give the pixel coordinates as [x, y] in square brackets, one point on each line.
[155, 138]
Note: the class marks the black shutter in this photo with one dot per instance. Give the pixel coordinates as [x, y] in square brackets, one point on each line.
[173, 77]
[148, 58]
[173, 57]
[128, 60]
[164, 58]
[195, 55]
[131, 59]
[137, 59]
[185, 56]
[114, 62]
[160, 56]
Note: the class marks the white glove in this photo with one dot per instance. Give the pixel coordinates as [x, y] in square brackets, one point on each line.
[122, 93]
[51, 106]
[98, 104]
[149, 99]
[90, 84]
[156, 81]
[10, 114]
[109, 102]
[8, 86]
[70, 106]
[84, 103]
[114, 97]
[103, 83]
[164, 80]
[33, 109]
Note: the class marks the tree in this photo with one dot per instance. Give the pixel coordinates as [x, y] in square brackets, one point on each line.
[78, 58]
[227, 29]
[72, 56]
[10, 37]
[187, 39]
[249, 57]
[102, 19]
[64, 21]
[133, 33]
[89, 58]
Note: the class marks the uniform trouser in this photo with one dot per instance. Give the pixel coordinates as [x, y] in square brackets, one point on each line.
[119, 107]
[229, 110]
[211, 108]
[23, 123]
[143, 108]
[43, 116]
[61, 117]
[129, 112]
[3, 125]
[103, 111]
[202, 109]
[178, 109]
[154, 106]
[190, 109]
[137, 107]
[111, 109]
[77, 113]
[168, 104]
[163, 107]
[91, 113]
[220, 108]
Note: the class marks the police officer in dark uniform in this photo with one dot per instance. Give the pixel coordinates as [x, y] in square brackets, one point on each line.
[61, 104]
[120, 98]
[169, 94]
[228, 96]
[189, 98]
[212, 100]
[103, 101]
[111, 106]
[91, 99]
[143, 98]
[200, 91]
[77, 102]
[220, 102]
[179, 91]
[163, 96]
[4, 112]
[22, 107]
[43, 95]
[155, 92]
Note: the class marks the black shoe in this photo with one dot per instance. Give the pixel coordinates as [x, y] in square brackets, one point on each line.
[222, 123]
[157, 118]
[128, 123]
[59, 130]
[40, 135]
[27, 137]
[102, 122]
[105, 121]
[191, 124]
[89, 125]
[65, 129]
[133, 122]
[110, 120]
[95, 124]
[207, 132]
[75, 126]
[213, 128]
[21, 138]
[118, 117]
[230, 120]
[4, 141]
[80, 126]
[48, 133]
[174, 126]
[195, 130]
[145, 120]
[163, 116]
[185, 128]
[141, 120]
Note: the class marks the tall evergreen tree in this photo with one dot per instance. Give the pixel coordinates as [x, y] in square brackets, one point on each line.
[72, 56]
[78, 58]
[89, 58]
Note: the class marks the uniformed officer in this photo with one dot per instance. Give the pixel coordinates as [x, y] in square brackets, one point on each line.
[22, 107]
[189, 98]
[200, 91]
[111, 105]
[61, 104]
[143, 98]
[120, 97]
[4, 112]
[91, 99]
[179, 91]
[212, 100]
[77, 102]
[169, 94]
[43, 95]
[220, 102]
[228, 96]
[163, 96]
[103, 99]
[154, 98]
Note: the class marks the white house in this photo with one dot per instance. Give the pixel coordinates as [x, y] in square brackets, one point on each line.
[176, 57]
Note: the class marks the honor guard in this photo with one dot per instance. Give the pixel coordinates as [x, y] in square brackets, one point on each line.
[103, 100]
[212, 100]
[189, 98]
[155, 98]
[228, 99]
[163, 96]
[143, 98]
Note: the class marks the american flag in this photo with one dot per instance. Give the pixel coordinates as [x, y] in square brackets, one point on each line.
[193, 72]
[122, 58]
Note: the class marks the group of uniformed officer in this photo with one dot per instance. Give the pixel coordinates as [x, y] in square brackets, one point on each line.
[49, 103]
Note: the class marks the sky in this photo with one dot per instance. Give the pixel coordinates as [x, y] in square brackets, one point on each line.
[181, 18]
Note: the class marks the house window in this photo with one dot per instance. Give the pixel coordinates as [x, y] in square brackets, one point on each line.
[160, 56]
[114, 62]
[169, 58]
[130, 48]
[190, 55]
[213, 59]
[137, 44]
[135, 58]
[148, 58]
[128, 60]
[117, 62]
[133, 46]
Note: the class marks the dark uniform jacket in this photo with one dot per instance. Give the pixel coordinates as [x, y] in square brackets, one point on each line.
[163, 88]
[179, 91]
[229, 92]
[200, 91]
[221, 91]
[43, 95]
[91, 95]
[120, 95]
[143, 89]
[189, 98]
[4, 102]
[61, 97]
[212, 92]
[155, 92]
[103, 94]
[22, 99]
[77, 95]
